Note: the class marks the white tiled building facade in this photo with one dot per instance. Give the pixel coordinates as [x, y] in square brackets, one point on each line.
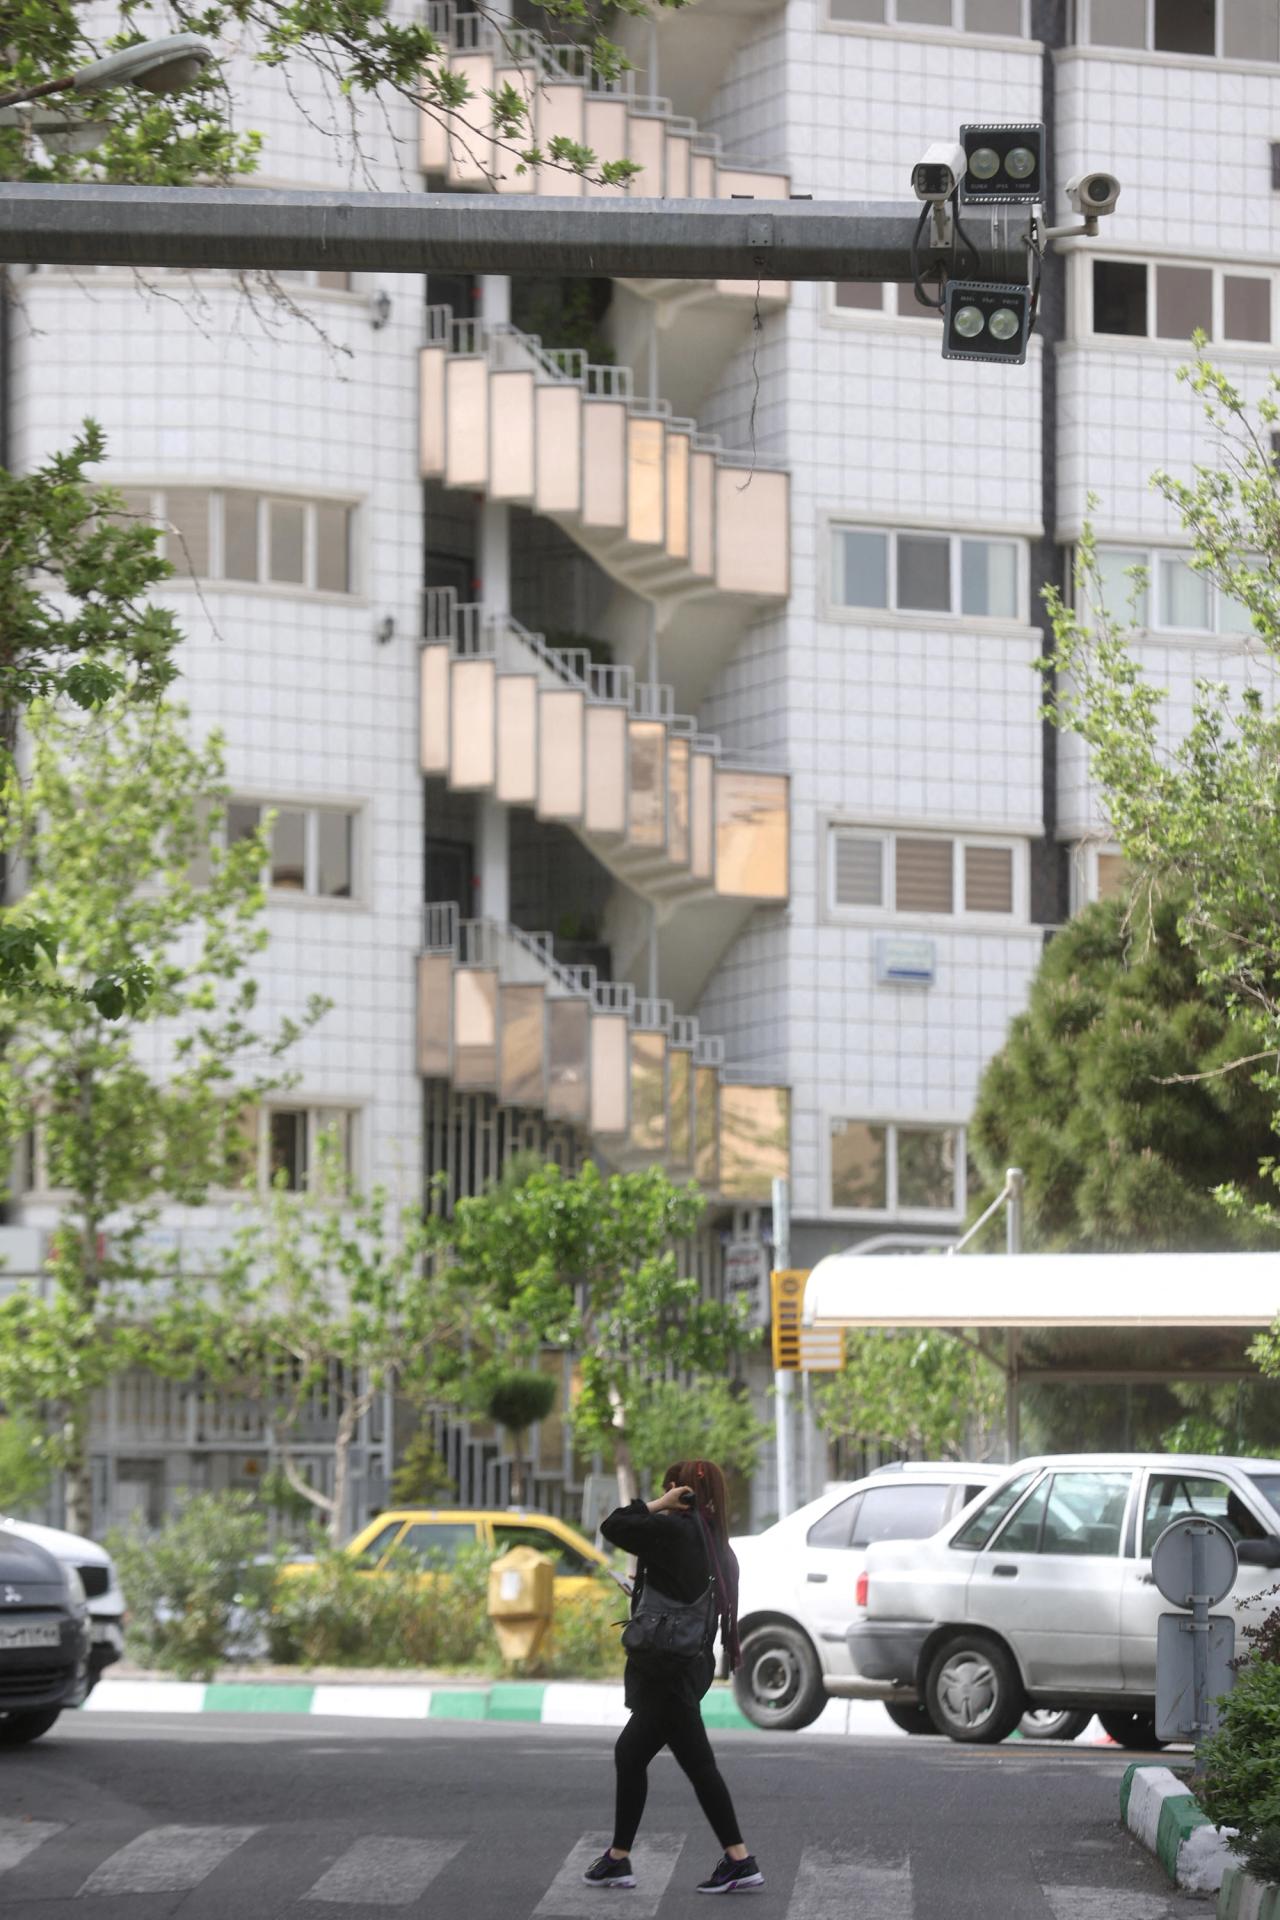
[813, 906]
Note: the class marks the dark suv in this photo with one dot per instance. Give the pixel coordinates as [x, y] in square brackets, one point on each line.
[44, 1639]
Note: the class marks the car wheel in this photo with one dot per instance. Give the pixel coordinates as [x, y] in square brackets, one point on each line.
[1048, 1724]
[974, 1691]
[912, 1719]
[1132, 1730]
[779, 1684]
[17, 1728]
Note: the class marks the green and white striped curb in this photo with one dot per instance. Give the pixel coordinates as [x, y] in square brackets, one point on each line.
[1244, 1898]
[1164, 1817]
[545, 1703]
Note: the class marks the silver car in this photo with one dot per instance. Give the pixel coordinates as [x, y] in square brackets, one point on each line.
[1041, 1594]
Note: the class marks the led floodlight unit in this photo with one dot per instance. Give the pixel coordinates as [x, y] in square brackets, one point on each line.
[1004, 164]
[984, 321]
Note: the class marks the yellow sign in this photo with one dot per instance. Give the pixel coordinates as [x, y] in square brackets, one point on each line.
[798, 1349]
[787, 1292]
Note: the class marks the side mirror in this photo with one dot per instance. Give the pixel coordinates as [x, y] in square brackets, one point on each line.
[1259, 1553]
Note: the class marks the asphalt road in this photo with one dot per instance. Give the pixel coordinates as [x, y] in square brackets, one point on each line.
[223, 1817]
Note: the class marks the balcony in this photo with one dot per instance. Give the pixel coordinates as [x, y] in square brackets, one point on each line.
[497, 1014]
[662, 806]
[661, 508]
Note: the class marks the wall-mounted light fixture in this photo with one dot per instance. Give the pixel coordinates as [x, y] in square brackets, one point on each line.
[386, 630]
[379, 309]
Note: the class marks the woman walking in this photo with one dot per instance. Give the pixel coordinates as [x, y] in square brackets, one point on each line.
[687, 1572]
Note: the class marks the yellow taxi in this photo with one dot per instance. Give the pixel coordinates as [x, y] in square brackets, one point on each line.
[432, 1536]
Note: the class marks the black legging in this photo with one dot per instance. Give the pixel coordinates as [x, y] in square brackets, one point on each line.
[669, 1724]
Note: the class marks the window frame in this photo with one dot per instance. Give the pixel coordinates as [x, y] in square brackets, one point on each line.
[890, 24]
[959, 916]
[1219, 270]
[1085, 858]
[913, 617]
[925, 1216]
[318, 1112]
[217, 577]
[356, 811]
[1083, 37]
[886, 316]
[1149, 559]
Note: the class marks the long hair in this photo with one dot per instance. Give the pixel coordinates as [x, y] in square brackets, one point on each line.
[712, 1514]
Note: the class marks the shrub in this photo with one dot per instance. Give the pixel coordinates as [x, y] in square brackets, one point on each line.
[585, 1641]
[336, 1614]
[193, 1587]
[1241, 1786]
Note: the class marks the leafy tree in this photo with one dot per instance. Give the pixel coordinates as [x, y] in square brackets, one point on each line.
[588, 1262]
[76, 632]
[326, 1294]
[358, 48]
[517, 1401]
[24, 1471]
[714, 1421]
[1107, 1093]
[933, 1393]
[1197, 816]
[118, 809]
[422, 1478]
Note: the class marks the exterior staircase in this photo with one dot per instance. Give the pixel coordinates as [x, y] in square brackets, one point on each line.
[498, 1014]
[663, 509]
[662, 806]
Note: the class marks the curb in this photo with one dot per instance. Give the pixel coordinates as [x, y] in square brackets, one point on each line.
[1244, 1898]
[548, 1703]
[1164, 1818]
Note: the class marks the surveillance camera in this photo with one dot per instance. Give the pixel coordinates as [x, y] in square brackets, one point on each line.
[1093, 193]
[939, 173]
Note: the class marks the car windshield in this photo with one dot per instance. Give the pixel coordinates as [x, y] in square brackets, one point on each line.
[1268, 1485]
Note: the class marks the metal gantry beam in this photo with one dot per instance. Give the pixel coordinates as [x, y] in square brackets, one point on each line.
[255, 227]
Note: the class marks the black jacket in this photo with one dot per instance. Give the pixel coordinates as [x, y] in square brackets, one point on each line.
[672, 1556]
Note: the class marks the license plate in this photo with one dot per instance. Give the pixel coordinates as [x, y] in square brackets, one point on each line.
[14, 1634]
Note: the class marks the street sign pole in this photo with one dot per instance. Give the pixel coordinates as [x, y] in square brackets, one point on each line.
[1194, 1565]
[782, 1406]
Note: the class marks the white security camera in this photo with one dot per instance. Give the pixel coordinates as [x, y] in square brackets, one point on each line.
[936, 176]
[1093, 193]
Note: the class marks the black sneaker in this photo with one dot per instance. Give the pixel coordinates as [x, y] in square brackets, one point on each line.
[733, 1876]
[608, 1872]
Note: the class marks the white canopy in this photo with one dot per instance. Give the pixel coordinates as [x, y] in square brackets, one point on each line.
[1044, 1290]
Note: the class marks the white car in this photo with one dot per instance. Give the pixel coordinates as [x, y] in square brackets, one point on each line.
[798, 1591]
[1042, 1594]
[101, 1586]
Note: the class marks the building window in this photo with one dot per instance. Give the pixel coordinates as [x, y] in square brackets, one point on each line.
[313, 849]
[894, 298]
[909, 572]
[1199, 29]
[1161, 593]
[1007, 17]
[236, 535]
[1167, 301]
[331, 282]
[896, 1167]
[1097, 873]
[289, 1148]
[916, 873]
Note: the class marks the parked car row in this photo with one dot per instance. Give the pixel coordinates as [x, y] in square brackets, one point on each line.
[61, 1625]
[971, 1599]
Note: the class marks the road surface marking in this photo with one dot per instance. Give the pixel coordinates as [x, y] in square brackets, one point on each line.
[832, 1886]
[167, 1860]
[654, 1861]
[384, 1871]
[18, 1838]
[1100, 1903]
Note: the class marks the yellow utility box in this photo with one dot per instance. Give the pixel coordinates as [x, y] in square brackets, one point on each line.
[521, 1601]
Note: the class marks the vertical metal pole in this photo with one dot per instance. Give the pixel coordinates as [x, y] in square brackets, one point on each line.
[1199, 1641]
[782, 1403]
[1013, 1244]
[653, 952]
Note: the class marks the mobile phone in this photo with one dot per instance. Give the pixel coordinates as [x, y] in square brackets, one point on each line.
[688, 1499]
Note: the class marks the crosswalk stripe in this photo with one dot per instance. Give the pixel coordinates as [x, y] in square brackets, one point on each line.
[166, 1860]
[831, 1886]
[18, 1838]
[654, 1860]
[1104, 1903]
[384, 1870]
